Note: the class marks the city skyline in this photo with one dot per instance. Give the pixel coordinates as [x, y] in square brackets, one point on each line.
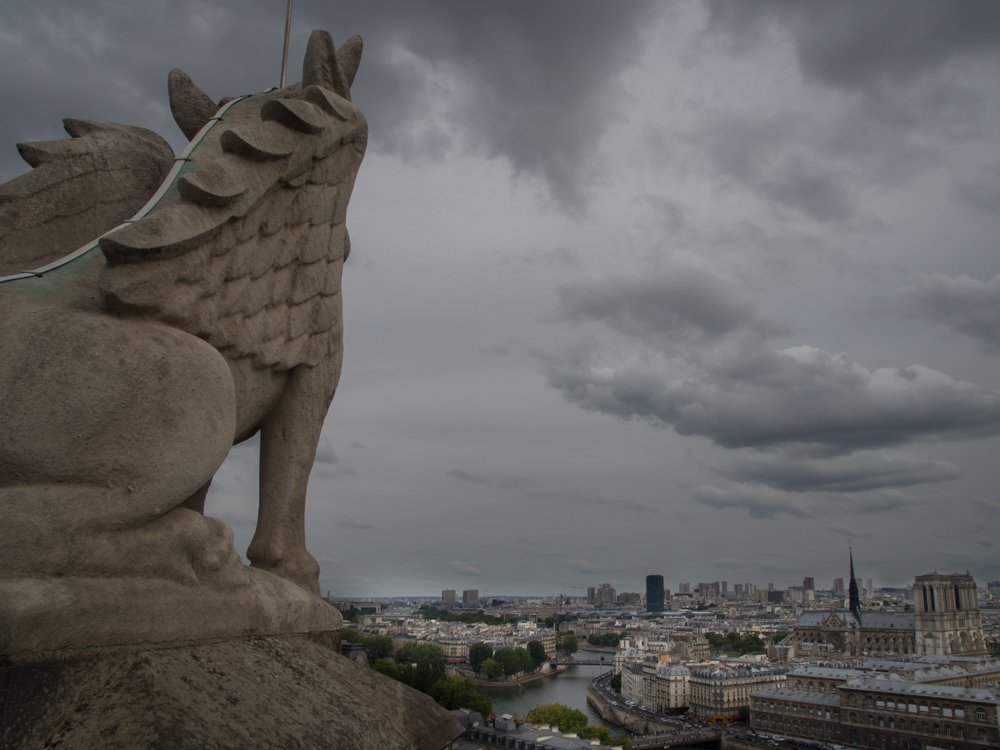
[698, 289]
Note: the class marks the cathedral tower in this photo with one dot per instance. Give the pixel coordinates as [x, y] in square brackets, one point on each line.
[946, 615]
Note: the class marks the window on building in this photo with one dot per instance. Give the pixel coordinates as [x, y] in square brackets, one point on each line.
[959, 712]
[935, 709]
[982, 735]
[980, 714]
[912, 708]
[869, 701]
[923, 708]
[946, 710]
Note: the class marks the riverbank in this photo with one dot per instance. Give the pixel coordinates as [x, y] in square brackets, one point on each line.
[568, 688]
[547, 670]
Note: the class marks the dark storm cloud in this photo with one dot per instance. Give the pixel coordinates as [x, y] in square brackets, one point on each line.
[767, 503]
[967, 306]
[761, 398]
[775, 159]
[532, 83]
[793, 472]
[861, 46]
[683, 304]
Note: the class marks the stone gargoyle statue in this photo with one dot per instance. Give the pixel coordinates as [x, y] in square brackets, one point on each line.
[137, 348]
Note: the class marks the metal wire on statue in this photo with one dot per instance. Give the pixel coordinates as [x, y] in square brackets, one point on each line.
[284, 54]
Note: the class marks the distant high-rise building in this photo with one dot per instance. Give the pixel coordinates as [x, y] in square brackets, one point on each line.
[470, 595]
[591, 595]
[738, 590]
[869, 588]
[725, 589]
[448, 595]
[770, 587]
[666, 595]
[808, 584]
[749, 589]
[838, 586]
[683, 588]
[775, 597]
[654, 593]
[606, 594]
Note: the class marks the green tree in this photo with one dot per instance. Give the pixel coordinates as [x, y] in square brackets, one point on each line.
[429, 660]
[571, 720]
[508, 660]
[570, 644]
[557, 715]
[433, 613]
[524, 661]
[478, 653]
[492, 668]
[351, 615]
[537, 653]
[453, 693]
[616, 683]
[550, 622]
[377, 646]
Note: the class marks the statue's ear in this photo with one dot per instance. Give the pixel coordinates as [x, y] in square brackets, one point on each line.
[189, 105]
[349, 58]
[321, 66]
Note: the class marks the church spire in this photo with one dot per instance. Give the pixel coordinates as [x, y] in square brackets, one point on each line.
[855, 595]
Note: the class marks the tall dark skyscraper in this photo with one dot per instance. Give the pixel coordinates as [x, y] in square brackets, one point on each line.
[654, 593]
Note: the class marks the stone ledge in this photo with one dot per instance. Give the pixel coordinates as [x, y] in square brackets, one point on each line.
[267, 692]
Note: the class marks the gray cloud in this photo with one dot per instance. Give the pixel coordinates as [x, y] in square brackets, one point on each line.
[763, 502]
[760, 398]
[537, 492]
[982, 191]
[869, 470]
[967, 306]
[684, 303]
[860, 46]
[350, 523]
[470, 569]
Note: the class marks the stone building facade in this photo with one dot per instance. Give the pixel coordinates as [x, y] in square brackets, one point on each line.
[723, 693]
[914, 706]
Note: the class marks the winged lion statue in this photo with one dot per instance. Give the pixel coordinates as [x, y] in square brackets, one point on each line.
[207, 310]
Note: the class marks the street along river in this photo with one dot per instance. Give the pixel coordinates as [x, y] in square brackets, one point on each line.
[568, 688]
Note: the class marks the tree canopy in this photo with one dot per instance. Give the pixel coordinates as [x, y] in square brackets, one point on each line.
[610, 639]
[572, 720]
[537, 653]
[734, 643]
[478, 653]
[429, 659]
[570, 644]
[453, 693]
[377, 646]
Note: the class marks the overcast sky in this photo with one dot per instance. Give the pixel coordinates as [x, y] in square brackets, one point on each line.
[701, 289]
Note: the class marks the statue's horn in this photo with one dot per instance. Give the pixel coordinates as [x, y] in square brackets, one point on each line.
[349, 58]
[321, 65]
[189, 105]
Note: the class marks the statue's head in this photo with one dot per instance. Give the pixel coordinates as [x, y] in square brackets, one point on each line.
[324, 66]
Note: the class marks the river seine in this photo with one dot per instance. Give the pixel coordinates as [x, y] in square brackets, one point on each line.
[568, 688]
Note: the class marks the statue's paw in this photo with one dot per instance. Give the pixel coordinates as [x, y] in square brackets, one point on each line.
[301, 569]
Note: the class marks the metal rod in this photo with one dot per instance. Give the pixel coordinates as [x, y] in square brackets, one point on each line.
[284, 54]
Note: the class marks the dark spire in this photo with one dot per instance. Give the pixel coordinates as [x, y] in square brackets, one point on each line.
[855, 595]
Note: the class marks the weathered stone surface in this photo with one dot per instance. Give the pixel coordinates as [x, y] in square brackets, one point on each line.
[281, 692]
[127, 375]
[79, 189]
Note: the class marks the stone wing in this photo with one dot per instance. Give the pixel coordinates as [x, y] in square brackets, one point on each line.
[247, 248]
